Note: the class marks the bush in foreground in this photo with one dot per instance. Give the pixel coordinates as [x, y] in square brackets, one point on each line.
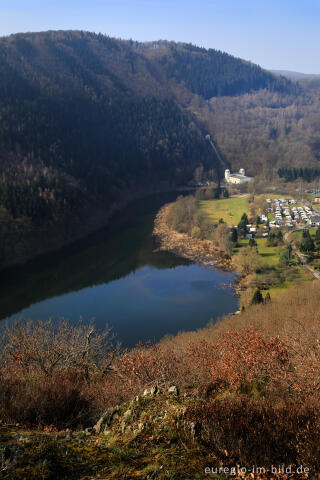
[255, 396]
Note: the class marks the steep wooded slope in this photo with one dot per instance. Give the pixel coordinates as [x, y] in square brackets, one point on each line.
[83, 113]
[76, 120]
[88, 122]
[212, 73]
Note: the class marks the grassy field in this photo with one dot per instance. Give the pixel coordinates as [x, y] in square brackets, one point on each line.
[229, 209]
[270, 255]
[304, 276]
[298, 235]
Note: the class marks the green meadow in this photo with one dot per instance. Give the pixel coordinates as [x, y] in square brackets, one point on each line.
[229, 209]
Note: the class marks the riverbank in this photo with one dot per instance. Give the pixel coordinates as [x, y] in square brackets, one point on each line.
[199, 251]
[259, 268]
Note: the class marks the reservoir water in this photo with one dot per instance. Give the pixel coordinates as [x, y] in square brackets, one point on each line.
[115, 277]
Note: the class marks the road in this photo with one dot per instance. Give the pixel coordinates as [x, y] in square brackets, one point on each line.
[300, 255]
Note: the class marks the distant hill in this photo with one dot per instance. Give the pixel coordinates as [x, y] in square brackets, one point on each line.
[295, 75]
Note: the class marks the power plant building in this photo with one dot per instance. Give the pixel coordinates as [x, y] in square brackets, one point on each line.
[236, 178]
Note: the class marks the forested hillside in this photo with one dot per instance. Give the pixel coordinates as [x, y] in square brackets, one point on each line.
[211, 73]
[86, 125]
[266, 130]
[89, 122]
[71, 129]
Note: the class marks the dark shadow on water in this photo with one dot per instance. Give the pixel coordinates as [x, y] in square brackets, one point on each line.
[124, 246]
[116, 276]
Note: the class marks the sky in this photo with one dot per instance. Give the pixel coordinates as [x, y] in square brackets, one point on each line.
[276, 34]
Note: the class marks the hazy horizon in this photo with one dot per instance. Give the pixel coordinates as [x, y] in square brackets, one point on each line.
[276, 35]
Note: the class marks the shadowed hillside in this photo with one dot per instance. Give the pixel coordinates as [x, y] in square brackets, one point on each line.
[88, 123]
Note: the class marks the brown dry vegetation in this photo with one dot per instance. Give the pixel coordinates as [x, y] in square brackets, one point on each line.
[252, 385]
[296, 314]
[183, 243]
[252, 380]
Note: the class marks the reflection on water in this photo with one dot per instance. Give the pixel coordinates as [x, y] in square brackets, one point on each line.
[116, 277]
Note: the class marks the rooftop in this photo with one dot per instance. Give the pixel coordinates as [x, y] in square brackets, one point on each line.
[238, 175]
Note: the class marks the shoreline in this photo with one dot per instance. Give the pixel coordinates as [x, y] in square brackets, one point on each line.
[199, 251]
[206, 254]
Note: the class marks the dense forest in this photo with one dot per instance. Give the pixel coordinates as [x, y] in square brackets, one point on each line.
[65, 116]
[266, 130]
[211, 73]
[292, 174]
[88, 121]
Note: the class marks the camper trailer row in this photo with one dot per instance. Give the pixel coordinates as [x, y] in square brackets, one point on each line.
[288, 214]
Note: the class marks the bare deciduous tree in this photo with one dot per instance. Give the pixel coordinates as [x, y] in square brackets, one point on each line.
[47, 347]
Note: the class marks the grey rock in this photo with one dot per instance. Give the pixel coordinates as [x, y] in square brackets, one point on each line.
[173, 390]
[105, 420]
[153, 391]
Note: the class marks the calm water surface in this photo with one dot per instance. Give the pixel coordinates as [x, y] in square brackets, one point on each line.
[115, 277]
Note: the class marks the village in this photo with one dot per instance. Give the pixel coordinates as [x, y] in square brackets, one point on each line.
[285, 213]
[280, 212]
[288, 214]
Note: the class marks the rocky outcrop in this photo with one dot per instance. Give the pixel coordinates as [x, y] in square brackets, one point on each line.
[105, 421]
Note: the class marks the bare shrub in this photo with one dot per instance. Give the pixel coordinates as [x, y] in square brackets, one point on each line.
[149, 365]
[183, 215]
[244, 430]
[48, 347]
[247, 261]
[49, 372]
[222, 238]
[244, 361]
